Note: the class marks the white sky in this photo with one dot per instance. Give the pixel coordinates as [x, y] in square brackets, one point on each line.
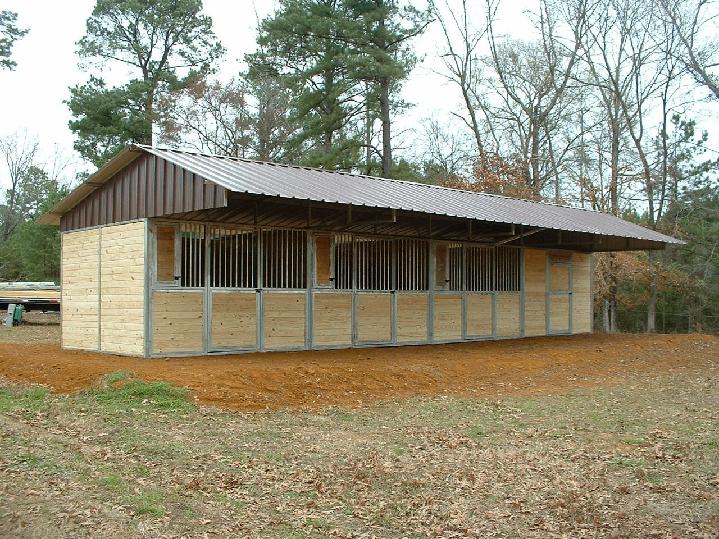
[31, 97]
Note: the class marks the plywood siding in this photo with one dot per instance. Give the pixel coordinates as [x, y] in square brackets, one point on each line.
[233, 322]
[559, 277]
[80, 289]
[479, 315]
[374, 317]
[447, 317]
[412, 317]
[122, 291]
[177, 324]
[332, 321]
[507, 313]
[323, 260]
[165, 254]
[535, 292]
[581, 293]
[558, 313]
[284, 320]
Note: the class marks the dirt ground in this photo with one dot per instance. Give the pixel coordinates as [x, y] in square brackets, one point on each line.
[357, 377]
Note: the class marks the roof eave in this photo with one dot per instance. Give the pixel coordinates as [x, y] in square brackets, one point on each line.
[91, 184]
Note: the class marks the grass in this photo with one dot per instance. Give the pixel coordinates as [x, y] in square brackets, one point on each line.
[120, 391]
[32, 399]
[135, 458]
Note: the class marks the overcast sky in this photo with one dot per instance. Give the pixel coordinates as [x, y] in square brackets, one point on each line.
[33, 94]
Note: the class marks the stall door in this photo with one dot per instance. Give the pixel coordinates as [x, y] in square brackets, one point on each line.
[559, 294]
[373, 312]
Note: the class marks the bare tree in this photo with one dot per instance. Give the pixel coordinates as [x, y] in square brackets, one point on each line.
[462, 63]
[444, 153]
[534, 83]
[19, 154]
[694, 23]
[239, 118]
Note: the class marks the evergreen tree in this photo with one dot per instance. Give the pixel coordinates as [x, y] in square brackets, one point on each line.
[303, 44]
[382, 56]
[165, 42]
[9, 34]
[343, 61]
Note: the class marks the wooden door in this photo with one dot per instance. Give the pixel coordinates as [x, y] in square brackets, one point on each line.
[559, 295]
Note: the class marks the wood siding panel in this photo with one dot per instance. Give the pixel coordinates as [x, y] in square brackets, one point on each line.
[447, 317]
[177, 322]
[479, 315]
[535, 292]
[559, 277]
[233, 323]
[508, 304]
[332, 323]
[80, 290]
[122, 291]
[412, 313]
[374, 317]
[582, 293]
[559, 313]
[323, 260]
[284, 320]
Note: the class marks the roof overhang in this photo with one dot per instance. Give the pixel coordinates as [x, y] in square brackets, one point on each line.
[548, 224]
[91, 184]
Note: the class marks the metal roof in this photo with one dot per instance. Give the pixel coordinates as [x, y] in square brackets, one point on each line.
[303, 183]
[312, 184]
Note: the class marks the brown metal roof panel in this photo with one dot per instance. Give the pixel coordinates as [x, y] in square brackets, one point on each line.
[312, 184]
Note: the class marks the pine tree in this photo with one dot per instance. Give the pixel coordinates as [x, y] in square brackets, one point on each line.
[166, 43]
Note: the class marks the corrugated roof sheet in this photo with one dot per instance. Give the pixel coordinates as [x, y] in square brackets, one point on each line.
[293, 182]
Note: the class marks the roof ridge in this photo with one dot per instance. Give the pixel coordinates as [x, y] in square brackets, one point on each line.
[353, 174]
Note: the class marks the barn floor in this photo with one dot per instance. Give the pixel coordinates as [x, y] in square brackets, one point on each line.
[358, 377]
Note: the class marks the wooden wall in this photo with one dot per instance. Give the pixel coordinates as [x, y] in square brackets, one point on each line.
[535, 291]
[507, 314]
[177, 321]
[332, 318]
[80, 292]
[234, 320]
[447, 317]
[412, 314]
[122, 291]
[374, 317]
[582, 314]
[479, 315]
[284, 320]
[103, 289]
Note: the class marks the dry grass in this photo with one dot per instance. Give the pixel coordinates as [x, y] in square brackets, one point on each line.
[136, 459]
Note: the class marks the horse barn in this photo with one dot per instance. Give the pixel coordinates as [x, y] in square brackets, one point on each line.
[169, 253]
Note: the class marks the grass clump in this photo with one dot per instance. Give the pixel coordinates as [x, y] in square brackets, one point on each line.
[120, 390]
[31, 399]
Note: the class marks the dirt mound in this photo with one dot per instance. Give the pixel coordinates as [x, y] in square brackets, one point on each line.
[354, 377]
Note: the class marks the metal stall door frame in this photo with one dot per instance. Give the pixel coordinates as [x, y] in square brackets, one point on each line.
[557, 260]
[478, 285]
[296, 266]
[178, 285]
[244, 281]
[373, 279]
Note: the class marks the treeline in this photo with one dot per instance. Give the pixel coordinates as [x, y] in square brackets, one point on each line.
[595, 109]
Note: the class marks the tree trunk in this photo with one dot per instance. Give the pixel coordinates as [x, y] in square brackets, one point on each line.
[149, 115]
[368, 133]
[652, 303]
[386, 125]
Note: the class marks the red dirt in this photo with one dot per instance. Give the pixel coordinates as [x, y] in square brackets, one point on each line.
[355, 377]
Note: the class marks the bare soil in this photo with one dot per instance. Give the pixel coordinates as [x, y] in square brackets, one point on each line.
[357, 377]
